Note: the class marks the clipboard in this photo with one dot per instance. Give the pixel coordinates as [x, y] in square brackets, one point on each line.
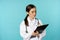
[41, 28]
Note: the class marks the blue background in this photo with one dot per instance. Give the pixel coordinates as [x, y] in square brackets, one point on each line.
[12, 12]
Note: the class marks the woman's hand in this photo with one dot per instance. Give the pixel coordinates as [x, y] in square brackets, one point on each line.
[35, 33]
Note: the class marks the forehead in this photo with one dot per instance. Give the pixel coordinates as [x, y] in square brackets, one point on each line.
[33, 9]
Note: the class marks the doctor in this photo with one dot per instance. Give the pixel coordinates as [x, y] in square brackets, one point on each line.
[29, 24]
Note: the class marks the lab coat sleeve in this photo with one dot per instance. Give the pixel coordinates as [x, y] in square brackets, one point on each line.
[44, 32]
[23, 31]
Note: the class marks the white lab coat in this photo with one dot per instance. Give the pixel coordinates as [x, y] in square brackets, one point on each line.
[32, 26]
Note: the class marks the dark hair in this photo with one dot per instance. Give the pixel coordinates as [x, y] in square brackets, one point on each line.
[28, 8]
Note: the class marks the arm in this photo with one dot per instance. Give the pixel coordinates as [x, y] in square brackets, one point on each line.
[23, 31]
[44, 32]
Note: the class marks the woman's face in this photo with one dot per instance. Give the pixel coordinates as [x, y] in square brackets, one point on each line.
[32, 13]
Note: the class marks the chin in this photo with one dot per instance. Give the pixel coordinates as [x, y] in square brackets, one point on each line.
[33, 17]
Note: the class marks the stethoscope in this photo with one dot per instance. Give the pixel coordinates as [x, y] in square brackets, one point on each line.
[26, 30]
[26, 26]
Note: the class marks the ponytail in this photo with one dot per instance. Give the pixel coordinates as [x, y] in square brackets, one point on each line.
[26, 21]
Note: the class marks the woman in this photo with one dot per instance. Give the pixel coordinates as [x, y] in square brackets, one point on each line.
[29, 24]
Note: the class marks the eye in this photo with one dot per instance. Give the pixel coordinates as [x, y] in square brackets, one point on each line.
[32, 11]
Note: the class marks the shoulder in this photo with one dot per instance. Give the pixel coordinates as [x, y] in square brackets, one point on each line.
[22, 23]
[38, 20]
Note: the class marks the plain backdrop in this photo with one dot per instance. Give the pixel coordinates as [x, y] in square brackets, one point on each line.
[12, 13]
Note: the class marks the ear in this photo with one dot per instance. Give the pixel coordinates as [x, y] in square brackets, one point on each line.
[27, 12]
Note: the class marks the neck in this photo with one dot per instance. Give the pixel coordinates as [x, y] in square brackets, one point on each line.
[31, 18]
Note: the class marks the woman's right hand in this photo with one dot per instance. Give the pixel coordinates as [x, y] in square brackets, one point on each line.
[35, 33]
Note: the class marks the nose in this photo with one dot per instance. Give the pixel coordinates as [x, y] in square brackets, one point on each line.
[34, 14]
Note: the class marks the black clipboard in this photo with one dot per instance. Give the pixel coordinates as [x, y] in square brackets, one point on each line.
[41, 28]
